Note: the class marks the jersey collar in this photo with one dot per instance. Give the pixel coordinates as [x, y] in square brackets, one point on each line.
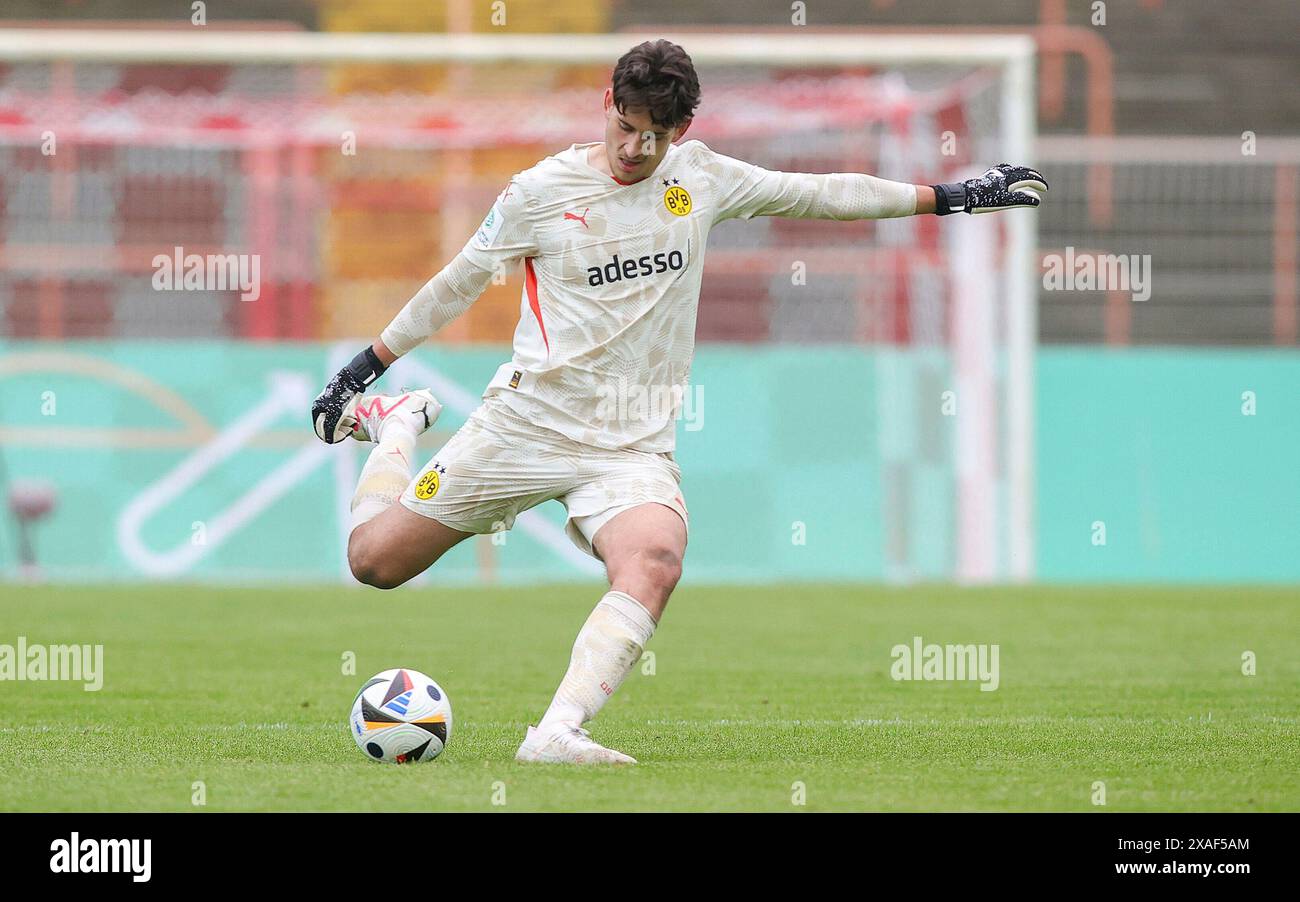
[579, 152]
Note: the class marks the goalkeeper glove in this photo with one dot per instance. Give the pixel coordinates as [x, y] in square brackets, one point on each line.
[997, 189]
[327, 410]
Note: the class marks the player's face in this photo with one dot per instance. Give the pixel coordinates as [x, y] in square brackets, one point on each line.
[634, 144]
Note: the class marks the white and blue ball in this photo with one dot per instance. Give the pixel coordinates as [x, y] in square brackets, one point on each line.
[401, 716]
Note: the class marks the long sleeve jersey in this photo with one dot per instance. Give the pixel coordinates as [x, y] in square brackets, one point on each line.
[612, 271]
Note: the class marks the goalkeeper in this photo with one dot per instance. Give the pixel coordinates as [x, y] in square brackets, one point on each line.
[611, 237]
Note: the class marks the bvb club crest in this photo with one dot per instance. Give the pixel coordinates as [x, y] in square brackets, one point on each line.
[678, 200]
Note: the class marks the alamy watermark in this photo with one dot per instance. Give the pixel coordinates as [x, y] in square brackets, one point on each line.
[1084, 271]
[213, 272]
[63, 663]
[626, 403]
[919, 661]
[103, 856]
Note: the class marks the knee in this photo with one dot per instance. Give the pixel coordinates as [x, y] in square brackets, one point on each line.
[660, 566]
[370, 567]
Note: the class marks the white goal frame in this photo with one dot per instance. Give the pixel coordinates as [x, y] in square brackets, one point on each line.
[1013, 55]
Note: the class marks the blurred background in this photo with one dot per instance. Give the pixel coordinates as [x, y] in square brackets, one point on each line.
[859, 398]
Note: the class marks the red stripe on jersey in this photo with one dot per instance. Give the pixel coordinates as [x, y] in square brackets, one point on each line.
[530, 284]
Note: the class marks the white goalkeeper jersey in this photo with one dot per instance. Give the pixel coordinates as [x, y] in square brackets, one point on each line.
[606, 333]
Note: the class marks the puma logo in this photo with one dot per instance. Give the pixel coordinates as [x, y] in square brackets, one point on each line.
[576, 218]
[376, 407]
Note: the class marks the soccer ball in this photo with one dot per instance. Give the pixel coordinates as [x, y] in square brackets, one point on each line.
[401, 716]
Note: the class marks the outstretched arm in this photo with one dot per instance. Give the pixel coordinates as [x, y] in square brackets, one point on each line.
[746, 190]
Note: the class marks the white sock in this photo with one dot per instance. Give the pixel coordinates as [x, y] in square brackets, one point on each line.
[386, 473]
[604, 653]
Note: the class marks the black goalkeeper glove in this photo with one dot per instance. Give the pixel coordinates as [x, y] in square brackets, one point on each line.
[998, 189]
[327, 410]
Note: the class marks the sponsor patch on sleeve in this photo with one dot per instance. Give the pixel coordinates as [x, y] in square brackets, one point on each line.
[491, 227]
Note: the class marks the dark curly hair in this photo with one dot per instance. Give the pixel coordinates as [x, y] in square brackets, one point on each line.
[658, 77]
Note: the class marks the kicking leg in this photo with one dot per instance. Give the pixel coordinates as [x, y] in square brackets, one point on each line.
[642, 548]
[398, 545]
[390, 544]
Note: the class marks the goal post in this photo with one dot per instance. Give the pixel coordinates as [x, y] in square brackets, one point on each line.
[885, 103]
[211, 46]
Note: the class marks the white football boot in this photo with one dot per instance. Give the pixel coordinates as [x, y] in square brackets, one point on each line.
[567, 744]
[370, 412]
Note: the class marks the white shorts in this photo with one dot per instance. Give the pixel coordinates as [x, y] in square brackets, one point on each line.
[498, 465]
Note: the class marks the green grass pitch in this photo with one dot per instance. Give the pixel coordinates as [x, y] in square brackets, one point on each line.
[754, 693]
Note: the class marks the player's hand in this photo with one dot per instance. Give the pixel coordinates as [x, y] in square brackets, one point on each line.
[328, 418]
[1004, 187]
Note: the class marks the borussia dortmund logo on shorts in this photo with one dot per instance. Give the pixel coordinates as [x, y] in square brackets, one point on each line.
[678, 200]
[429, 483]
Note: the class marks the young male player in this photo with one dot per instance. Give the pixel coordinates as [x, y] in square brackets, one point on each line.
[611, 236]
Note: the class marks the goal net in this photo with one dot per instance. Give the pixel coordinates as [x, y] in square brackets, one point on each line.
[355, 165]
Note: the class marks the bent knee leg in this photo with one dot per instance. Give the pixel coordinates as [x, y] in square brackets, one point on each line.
[369, 564]
[398, 545]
